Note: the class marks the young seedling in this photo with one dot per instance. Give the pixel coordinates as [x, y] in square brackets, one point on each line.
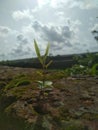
[43, 84]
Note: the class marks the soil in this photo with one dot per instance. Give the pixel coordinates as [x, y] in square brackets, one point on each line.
[71, 104]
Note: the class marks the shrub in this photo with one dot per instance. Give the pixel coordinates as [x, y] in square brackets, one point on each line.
[79, 70]
[95, 69]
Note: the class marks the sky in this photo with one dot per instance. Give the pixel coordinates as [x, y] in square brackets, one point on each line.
[65, 24]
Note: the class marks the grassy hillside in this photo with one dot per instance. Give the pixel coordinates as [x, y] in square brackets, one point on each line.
[59, 61]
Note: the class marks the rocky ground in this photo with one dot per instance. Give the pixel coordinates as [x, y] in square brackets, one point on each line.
[72, 104]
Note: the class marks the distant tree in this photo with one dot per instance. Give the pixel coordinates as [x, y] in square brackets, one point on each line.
[50, 54]
[86, 60]
[95, 33]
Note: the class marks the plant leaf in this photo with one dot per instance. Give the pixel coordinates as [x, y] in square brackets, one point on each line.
[46, 52]
[48, 83]
[40, 84]
[38, 52]
[40, 73]
[49, 64]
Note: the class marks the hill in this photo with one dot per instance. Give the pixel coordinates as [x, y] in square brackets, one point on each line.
[59, 61]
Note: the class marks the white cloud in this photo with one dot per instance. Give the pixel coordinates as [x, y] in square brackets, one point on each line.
[84, 4]
[19, 15]
[52, 3]
[60, 36]
[7, 39]
[21, 52]
[90, 4]
[15, 45]
[95, 27]
[4, 31]
[42, 2]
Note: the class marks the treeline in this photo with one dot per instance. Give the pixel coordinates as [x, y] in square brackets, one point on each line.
[59, 61]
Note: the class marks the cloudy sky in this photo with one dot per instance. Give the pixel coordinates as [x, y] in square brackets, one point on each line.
[65, 24]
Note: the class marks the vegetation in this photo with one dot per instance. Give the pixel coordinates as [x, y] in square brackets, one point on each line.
[95, 69]
[59, 61]
[17, 81]
[43, 84]
[85, 65]
[79, 70]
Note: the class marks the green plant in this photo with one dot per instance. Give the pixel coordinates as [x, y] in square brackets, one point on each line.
[23, 82]
[43, 84]
[78, 70]
[95, 69]
[43, 58]
[86, 60]
[17, 81]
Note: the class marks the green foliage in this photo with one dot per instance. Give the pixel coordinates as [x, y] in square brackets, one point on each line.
[67, 72]
[23, 82]
[43, 58]
[95, 33]
[95, 69]
[86, 60]
[38, 52]
[19, 81]
[78, 70]
[43, 84]
[60, 74]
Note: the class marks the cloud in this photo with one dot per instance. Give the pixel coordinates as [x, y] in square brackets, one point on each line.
[20, 52]
[42, 2]
[95, 27]
[60, 37]
[84, 4]
[57, 34]
[54, 33]
[2, 57]
[4, 31]
[21, 39]
[20, 15]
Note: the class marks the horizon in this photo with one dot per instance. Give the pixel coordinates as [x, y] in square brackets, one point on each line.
[19, 59]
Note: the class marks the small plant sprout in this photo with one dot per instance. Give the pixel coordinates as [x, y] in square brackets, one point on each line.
[43, 58]
[43, 84]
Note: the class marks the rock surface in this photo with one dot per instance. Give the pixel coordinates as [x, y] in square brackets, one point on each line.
[71, 104]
